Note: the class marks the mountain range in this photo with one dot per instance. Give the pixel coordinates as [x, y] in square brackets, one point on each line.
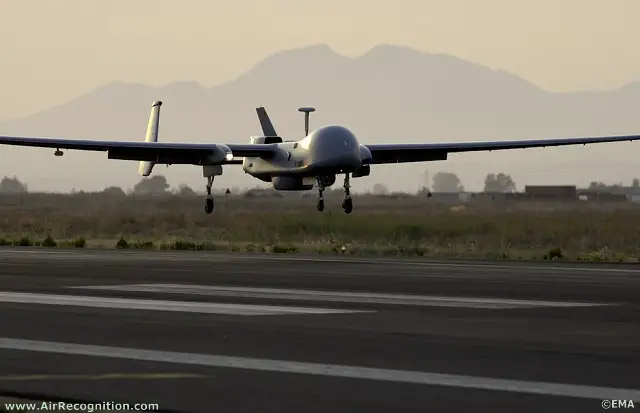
[389, 94]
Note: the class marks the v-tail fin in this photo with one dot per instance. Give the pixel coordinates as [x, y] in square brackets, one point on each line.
[265, 122]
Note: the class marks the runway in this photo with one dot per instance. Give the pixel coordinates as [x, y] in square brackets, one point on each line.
[202, 332]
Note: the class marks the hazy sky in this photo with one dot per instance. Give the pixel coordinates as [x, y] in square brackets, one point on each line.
[54, 50]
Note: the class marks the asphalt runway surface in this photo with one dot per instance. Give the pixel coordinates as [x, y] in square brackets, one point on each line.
[205, 332]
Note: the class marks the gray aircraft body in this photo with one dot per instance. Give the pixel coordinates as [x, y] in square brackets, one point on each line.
[315, 160]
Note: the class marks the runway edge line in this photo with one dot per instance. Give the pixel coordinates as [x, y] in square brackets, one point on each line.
[284, 366]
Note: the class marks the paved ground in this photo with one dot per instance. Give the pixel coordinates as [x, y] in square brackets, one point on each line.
[243, 333]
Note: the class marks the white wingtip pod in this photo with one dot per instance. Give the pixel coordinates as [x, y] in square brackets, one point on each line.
[146, 167]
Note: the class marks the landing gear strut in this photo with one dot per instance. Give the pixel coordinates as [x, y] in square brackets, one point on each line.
[347, 202]
[208, 202]
[210, 172]
[320, 199]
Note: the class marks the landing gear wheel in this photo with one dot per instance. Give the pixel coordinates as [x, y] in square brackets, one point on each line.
[347, 205]
[208, 205]
[320, 205]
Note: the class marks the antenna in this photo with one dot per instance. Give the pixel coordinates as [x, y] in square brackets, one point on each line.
[306, 111]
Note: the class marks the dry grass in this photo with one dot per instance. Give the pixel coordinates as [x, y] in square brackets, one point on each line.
[379, 225]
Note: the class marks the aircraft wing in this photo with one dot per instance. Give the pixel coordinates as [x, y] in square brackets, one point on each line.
[420, 152]
[157, 152]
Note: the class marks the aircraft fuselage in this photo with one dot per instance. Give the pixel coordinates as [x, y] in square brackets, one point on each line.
[325, 152]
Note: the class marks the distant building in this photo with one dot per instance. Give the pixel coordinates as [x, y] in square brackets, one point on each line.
[544, 192]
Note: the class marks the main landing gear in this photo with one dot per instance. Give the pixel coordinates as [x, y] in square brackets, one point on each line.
[320, 204]
[210, 172]
[347, 202]
[208, 201]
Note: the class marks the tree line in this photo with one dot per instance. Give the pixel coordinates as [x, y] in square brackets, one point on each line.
[440, 182]
[450, 182]
[493, 182]
[155, 185]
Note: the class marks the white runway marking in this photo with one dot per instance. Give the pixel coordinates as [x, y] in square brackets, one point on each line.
[337, 296]
[162, 305]
[284, 366]
[10, 253]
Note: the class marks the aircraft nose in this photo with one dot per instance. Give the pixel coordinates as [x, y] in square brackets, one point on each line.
[337, 148]
[348, 159]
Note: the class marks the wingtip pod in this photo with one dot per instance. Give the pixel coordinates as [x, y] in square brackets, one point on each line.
[153, 126]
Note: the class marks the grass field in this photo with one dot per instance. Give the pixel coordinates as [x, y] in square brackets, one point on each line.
[393, 225]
